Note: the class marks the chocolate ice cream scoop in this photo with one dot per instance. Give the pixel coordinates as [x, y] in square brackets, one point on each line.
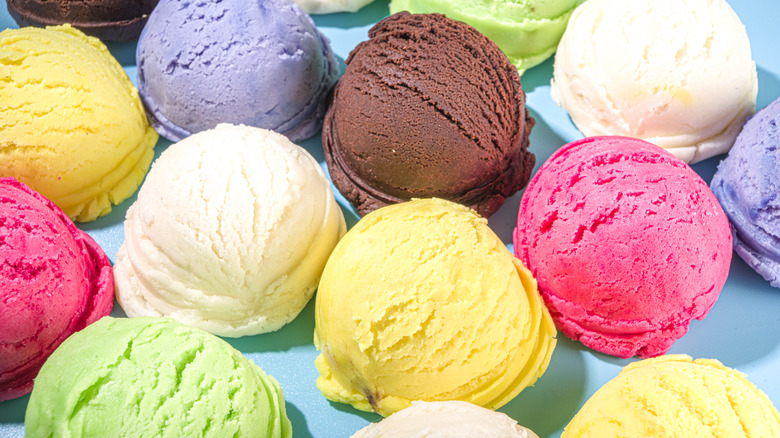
[428, 107]
[109, 20]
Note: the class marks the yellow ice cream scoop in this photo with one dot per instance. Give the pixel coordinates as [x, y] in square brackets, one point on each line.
[675, 396]
[422, 301]
[71, 124]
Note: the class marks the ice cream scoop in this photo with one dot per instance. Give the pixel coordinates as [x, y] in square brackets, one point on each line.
[627, 242]
[746, 186]
[153, 377]
[527, 31]
[427, 107]
[109, 20]
[257, 63]
[675, 396]
[230, 233]
[422, 301]
[448, 419]
[54, 281]
[71, 124]
[330, 6]
[677, 73]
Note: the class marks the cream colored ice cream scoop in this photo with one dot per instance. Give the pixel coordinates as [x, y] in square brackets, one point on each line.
[422, 301]
[676, 73]
[230, 233]
[447, 419]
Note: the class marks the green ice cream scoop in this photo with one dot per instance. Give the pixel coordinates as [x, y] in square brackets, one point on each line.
[124, 377]
[527, 31]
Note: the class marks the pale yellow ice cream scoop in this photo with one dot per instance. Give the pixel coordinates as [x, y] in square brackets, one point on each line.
[422, 301]
[675, 396]
[71, 124]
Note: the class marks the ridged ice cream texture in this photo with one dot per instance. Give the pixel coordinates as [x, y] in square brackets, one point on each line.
[677, 73]
[72, 126]
[627, 242]
[445, 419]
[230, 233]
[422, 301]
[140, 377]
[746, 184]
[54, 281]
[675, 396]
[428, 107]
[527, 31]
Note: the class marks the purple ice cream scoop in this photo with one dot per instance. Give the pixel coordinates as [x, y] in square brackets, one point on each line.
[255, 62]
[747, 184]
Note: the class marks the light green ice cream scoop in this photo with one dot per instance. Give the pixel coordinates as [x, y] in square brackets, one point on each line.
[527, 31]
[123, 377]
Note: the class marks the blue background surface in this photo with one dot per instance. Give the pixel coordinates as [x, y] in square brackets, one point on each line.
[742, 330]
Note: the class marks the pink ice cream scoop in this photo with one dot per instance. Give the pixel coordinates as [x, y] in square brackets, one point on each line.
[628, 244]
[54, 281]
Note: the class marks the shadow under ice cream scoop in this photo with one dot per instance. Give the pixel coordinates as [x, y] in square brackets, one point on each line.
[428, 107]
[257, 63]
[746, 184]
[54, 281]
[627, 242]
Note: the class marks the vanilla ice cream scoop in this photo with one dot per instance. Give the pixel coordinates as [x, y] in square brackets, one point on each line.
[422, 301]
[230, 233]
[445, 419]
[677, 73]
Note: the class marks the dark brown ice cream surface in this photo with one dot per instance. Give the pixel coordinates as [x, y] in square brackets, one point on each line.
[109, 20]
[428, 107]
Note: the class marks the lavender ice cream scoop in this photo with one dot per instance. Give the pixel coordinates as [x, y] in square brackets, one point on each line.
[746, 184]
[255, 62]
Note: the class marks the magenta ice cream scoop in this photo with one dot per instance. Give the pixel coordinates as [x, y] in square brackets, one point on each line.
[54, 281]
[746, 184]
[258, 63]
[627, 243]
